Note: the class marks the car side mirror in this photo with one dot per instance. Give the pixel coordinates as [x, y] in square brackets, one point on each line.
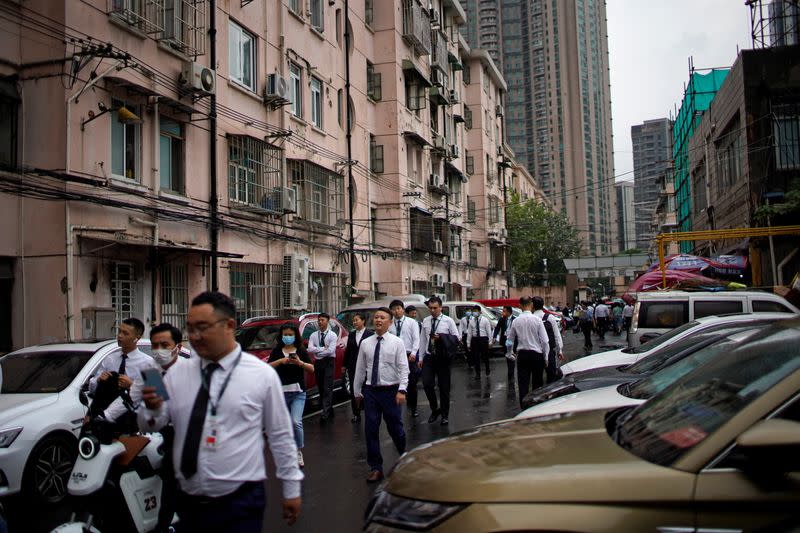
[770, 448]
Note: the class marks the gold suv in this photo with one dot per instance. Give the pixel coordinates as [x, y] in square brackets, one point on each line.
[719, 450]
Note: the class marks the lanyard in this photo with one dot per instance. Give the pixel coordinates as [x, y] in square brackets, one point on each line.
[207, 385]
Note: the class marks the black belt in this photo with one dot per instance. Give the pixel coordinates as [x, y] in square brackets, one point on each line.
[200, 499]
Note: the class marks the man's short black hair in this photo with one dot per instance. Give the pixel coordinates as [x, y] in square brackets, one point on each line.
[136, 324]
[411, 308]
[174, 332]
[509, 309]
[434, 300]
[360, 314]
[395, 303]
[221, 302]
[538, 302]
[525, 301]
[383, 310]
[324, 315]
[476, 307]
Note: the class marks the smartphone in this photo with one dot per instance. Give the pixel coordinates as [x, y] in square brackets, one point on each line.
[152, 378]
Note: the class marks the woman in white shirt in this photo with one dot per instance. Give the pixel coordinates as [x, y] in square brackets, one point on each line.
[291, 361]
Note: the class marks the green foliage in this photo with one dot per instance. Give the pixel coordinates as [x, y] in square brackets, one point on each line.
[790, 206]
[536, 233]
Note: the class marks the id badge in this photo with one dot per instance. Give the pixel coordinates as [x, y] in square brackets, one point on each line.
[211, 438]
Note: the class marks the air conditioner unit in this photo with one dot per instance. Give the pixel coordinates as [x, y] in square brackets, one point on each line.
[436, 180]
[277, 89]
[198, 78]
[436, 78]
[498, 110]
[438, 246]
[454, 96]
[439, 143]
[492, 233]
[454, 151]
[503, 233]
[435, 23]
[98, 323]
[285, 199]
[295, 279]
[437, 280]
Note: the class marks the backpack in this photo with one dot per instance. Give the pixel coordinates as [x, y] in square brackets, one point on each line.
[551, 335]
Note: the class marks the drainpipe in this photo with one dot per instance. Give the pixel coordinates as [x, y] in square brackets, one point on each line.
[350, 180]
[213, 201]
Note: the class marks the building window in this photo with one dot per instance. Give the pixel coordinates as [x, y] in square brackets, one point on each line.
[125, 143]
[254, 173]
[455, 243]
[316, 102]
[786, 129]
[375, 155]
[374, 90]
[422, 234]
[339, 27]
[296, 75]
[373, 230]
[369, 15]
[174, 295]
[494, 210]
[467, 118]
[414, 164]
[241, 56]
[339, 106]
[320, 192]
[470, 163]
[318, 15]
[327, 291]
[471, 210]
[473, 254]
[184, 26]
[123, 290]
[256, 290]
[415, 95]
[294, 5]
[171, 148]
[466, 75]
[145, 16]
[9, 109]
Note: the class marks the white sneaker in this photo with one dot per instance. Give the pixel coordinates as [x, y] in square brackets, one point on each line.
[300, 461]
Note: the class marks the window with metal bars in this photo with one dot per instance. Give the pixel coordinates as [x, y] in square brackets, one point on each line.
[467, 118]
[422, 233]
[375, 155]
[320, 192]
[327, 292]
[254, 173]
[123, 290]
[786, 132]
[174, 295]
[421, 286]
[494, 210]
[146, 16]
[470, 163]
[256, 289]
[455, 243]
[184, 26]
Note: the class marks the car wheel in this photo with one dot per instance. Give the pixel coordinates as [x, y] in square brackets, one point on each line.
[48, 469]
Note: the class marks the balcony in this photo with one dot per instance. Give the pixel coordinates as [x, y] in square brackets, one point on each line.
[440, 59]
[417, 26]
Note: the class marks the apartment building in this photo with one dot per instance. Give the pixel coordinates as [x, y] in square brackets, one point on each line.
[143, 162]
[652, 160]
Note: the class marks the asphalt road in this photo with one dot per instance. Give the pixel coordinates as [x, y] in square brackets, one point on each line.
[335, 493]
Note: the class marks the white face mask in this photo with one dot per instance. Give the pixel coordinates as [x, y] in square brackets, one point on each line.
[163, 356]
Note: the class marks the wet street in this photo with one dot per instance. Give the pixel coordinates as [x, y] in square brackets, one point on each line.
[335, 493]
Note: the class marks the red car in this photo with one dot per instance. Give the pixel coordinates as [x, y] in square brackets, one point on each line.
[259, 336]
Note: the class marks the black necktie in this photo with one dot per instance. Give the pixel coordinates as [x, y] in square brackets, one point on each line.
[376, 359]
[121, 370]
[398, 326]
[191, 444]
[433, 332]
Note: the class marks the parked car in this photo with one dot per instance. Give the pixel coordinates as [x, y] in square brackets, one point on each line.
[41, 414]
[637, 383]
[627, 356]
[346, 316]
[723, 437]
[659, 312]
[259, 335]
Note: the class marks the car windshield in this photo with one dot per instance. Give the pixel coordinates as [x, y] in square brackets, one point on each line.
[655, 360]
[258, 337]
[687, 412]
[41, 372]
[646, 388]
[661, 339]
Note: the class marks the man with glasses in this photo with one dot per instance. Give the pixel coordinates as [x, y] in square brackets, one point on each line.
[322, 346]
[221, 405]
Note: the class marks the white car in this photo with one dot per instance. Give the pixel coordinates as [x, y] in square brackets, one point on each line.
[628, 356]
[41, 414]
[639, 391]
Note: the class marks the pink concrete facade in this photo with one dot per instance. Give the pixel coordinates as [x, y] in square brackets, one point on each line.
[108, 203]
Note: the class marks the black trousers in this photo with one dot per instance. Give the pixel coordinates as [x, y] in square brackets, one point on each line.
[351, 372]
[602, 327]
[530, 367]
[436, 368]
[412, 393]
[551, 370]
[586, 327]
[511, 364]
[479, 350]
[323, 372]
[241, 511]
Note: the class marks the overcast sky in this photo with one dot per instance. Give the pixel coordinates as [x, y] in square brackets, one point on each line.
[649, 45]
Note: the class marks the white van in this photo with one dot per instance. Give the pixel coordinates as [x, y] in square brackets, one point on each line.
[659, 312]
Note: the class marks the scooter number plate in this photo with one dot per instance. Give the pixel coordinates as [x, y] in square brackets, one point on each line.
[148, 501]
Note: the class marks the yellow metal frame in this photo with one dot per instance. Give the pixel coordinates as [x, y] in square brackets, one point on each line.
[707, 235]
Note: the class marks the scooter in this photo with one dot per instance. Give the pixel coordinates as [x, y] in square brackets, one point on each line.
[116, 480]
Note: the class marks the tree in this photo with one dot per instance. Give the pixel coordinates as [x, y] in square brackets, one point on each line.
[785, 212]
[537, 233]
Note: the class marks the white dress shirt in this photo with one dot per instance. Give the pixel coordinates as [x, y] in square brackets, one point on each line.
[463, 325]
[479, 326]
[529, 332]
[409, 333]
[322, 344]
[556, 329]
[601, 311]
[251, 405]
[393, 369]
[359, 334]
[136, 362]
[444, 324]
[627, 311]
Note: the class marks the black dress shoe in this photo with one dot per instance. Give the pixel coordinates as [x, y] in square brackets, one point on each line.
[434, 416]
[414, 413]
[445, 421]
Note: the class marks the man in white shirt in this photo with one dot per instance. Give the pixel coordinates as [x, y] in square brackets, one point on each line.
[555, 342]
[322, 347]
[408, 331]
[627, 316]
[532, 345]
[382, 368]
[221, 404]
[479, 331]
[601, 319]
[437, 344]
[118, 371]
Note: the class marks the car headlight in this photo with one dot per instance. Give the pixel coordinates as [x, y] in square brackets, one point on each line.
[415, 515]
[8, 435]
